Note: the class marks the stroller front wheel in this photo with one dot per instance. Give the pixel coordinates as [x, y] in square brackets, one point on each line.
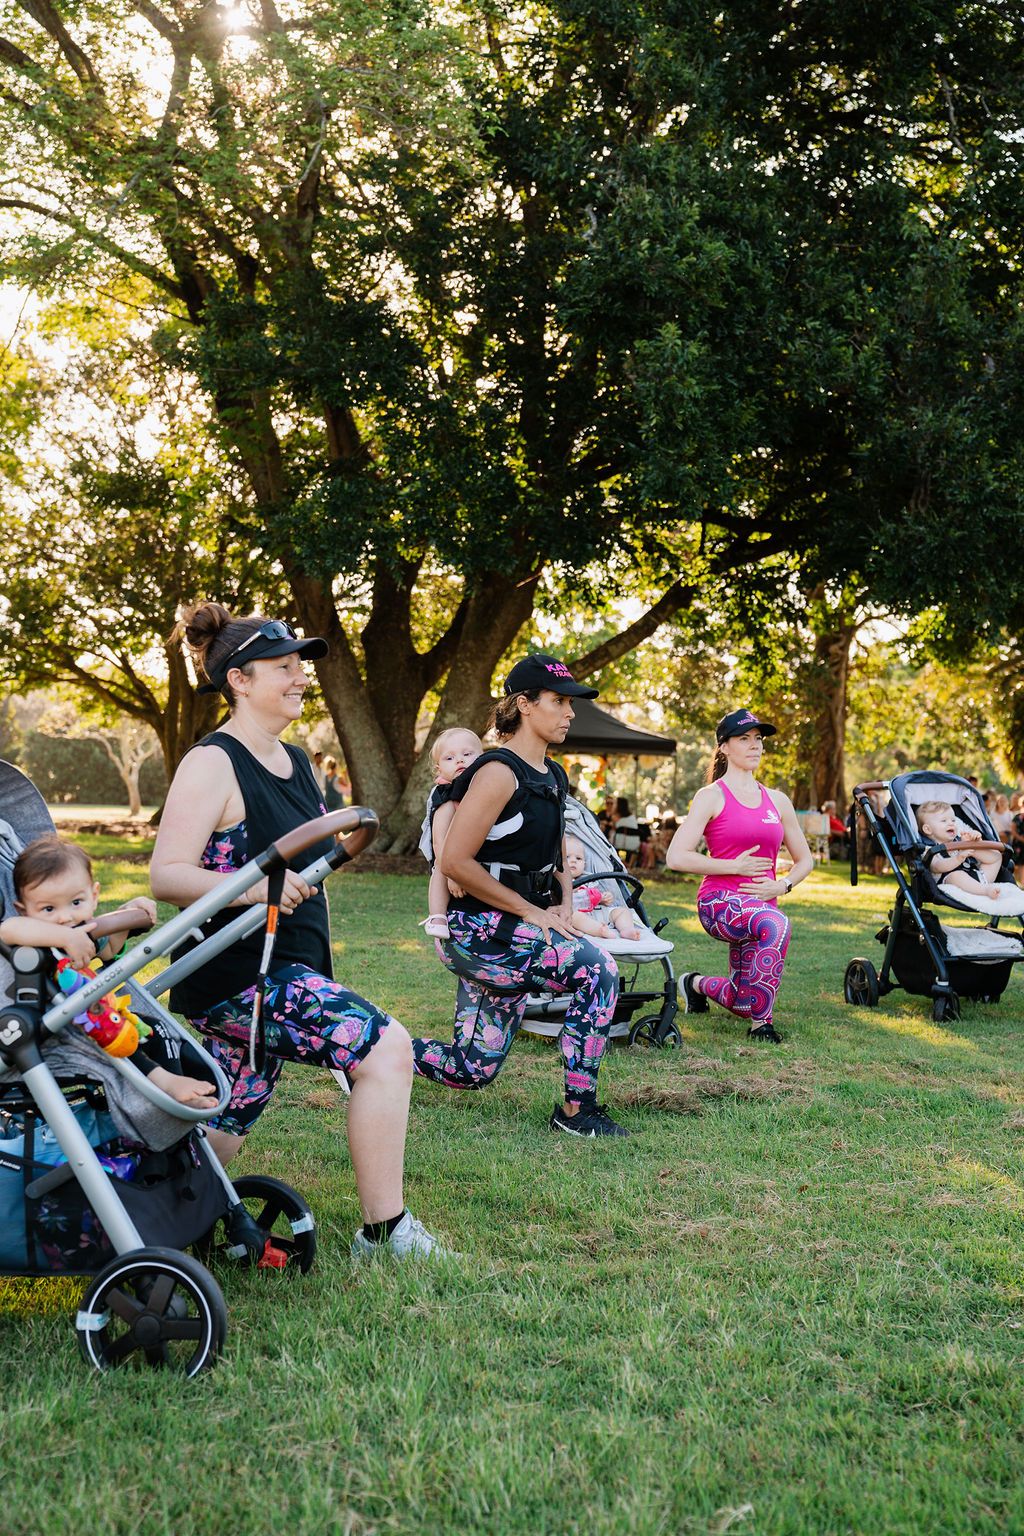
[154, 1307]
[281, 1215]
[650, 1031]
[860, 984]
[946, 1008]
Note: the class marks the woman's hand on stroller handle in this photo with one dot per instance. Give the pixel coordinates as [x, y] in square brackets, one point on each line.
[295, 892]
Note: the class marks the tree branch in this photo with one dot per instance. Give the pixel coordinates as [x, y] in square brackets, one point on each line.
[110, 247]
[678, 596]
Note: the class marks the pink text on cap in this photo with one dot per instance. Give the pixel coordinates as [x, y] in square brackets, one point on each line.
[558, 668]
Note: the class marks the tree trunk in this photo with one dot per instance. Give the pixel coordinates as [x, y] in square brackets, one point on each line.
[495, 613]
[832, 642]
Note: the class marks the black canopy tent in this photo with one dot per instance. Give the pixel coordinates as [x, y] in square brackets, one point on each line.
[596, 733]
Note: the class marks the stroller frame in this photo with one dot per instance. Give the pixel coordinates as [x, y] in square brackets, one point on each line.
[655, 1029]
[917, 950]
[30, 1018]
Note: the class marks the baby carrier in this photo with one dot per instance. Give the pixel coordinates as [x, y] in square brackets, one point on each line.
[101, 1173]
[925, 956]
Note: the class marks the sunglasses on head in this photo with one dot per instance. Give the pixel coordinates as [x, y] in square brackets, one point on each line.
[274, 629]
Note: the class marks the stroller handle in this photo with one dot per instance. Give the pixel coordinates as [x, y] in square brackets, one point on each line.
[353, 819]
[869, 785]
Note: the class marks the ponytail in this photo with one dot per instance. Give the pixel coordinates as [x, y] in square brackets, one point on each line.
[717, 766]
[505, 718]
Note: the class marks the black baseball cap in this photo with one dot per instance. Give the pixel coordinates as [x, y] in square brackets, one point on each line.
[739, 721]
[274, 638]
[545, 672]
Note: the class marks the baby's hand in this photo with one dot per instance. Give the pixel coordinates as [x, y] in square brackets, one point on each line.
[606, 898]
[968, 835]
[455, 890]
[147, 904]
[78, 946]
[991, 892]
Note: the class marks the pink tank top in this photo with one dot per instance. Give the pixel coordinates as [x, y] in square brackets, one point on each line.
[736, 828]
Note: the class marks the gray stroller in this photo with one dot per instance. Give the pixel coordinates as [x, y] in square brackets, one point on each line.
[101, 1173]
[656, 1027]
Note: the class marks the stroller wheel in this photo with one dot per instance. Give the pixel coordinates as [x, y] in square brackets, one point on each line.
[860, 984]
[280, 1212]
[651, 1032]
[154, 1307]
[946, 1008]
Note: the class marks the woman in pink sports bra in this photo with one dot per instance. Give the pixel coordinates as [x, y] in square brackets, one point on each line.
[744, 826]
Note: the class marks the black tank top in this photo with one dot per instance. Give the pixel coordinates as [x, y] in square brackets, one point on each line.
[528, 832]
[273, 806]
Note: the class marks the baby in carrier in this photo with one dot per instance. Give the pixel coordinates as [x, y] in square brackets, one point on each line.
[55, 898]
[594, 911]
[977, 873]
[453, 750]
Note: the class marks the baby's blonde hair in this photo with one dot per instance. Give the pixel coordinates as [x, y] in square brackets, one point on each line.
[928, 807]
[446, 736]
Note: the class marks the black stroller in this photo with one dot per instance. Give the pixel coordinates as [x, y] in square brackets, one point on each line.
[926, 957]
[101, 1173]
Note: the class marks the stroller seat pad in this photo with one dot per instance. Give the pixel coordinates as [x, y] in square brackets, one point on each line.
[981, 944]
[647, 947]
[1010, 901]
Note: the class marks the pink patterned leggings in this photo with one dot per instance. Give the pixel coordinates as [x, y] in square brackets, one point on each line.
[758, 938]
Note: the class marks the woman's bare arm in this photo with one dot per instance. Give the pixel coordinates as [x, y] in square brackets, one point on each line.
[682, 850]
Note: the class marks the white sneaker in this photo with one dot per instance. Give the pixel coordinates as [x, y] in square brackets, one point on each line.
[409, 1240]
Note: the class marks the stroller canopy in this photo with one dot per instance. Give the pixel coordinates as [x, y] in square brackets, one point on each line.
[909, 790]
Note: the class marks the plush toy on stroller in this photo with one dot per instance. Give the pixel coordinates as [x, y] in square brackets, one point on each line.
[968, 870]
[101, 1172]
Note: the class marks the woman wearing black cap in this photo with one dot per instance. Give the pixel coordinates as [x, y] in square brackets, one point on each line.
[513, 926]
[744, 826]
[235, 793]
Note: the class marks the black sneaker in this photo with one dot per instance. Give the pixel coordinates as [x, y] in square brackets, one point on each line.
[692, 1000]
[591, 1120]
[765, 1034]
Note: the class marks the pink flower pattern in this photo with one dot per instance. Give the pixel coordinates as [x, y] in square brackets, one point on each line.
[488, 950]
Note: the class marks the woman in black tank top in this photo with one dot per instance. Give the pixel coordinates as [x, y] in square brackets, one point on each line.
[512, 927]
[235, 793]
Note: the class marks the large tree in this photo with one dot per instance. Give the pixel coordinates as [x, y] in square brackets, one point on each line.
[642, 286]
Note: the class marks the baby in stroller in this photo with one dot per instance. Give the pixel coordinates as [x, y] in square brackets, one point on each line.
[55, 896]
[594, 909]
[974, 872]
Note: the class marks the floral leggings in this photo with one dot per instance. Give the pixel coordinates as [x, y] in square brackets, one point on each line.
[308, 1018]
[495, 948]
[758, 938]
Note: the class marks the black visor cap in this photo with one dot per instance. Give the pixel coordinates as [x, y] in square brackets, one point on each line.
[265, 650]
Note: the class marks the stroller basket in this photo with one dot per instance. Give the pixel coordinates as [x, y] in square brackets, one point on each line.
[923, 955]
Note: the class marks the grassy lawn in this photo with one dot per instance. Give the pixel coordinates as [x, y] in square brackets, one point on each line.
[799, 1309]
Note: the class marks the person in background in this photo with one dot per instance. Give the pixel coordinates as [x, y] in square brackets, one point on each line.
[626, 833]
[334, 799]
[745, 825]
[1002, 819]
[318, 770]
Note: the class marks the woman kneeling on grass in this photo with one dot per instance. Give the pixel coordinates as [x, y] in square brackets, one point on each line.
[512, 925]
[744, 825]
[233, 795]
